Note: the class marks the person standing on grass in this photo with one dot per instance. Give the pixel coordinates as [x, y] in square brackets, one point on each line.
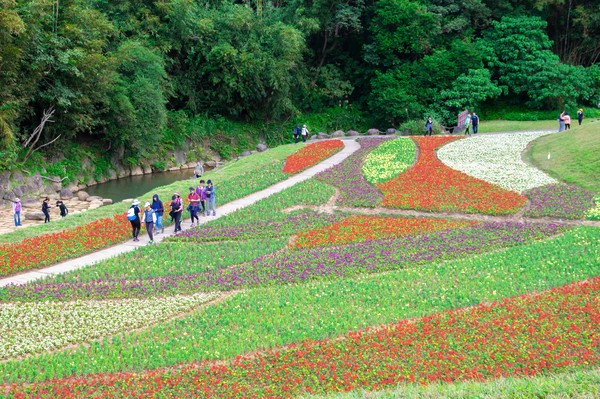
[177, 209]
[580, 115]
[561, 122]
[211, 198]
[150, 219]
[304, 133]
[201, 191]
[428, 126]
[46, 209]
[16, 208]
[475, 123]
[159, 210]
[133, 215]
[63, 208]
[194, 199]
[567, 119]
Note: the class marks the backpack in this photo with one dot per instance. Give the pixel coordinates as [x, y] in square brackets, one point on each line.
[131, 214]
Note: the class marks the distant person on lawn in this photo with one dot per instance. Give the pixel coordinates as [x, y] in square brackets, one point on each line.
[159, 210]
[135, 223]
[561, 122]
[475, 123]
[46, 209]
[567, 119]
[580, 115]
[16, 208]
[150, 219]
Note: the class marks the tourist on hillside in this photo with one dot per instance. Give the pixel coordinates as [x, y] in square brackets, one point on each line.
[133, 215]
[194, 199]
[567, 120]
[211, 196]
[580, 115]
[64, 211]
[46, 209]
[467, 124]
[201, 191]
[198, 170]
[297, 132]
[16, 208]
[159, 210]
[304, 133]
[150, 219]
[561, 122]
[428, 126]
[177, 210]
[475, 123]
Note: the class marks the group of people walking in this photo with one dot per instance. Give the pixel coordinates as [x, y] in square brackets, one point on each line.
[471, 123]
[300, 132]
[202, 199]
[564, 120]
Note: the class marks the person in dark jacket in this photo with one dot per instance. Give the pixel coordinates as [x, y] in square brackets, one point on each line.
[46, 210]
[177, 210]
[64, 211]
[211, 198]
[149, 219]
[159, 210]
[135, 223]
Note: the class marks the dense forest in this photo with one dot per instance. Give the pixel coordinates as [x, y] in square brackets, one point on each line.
[131, 74]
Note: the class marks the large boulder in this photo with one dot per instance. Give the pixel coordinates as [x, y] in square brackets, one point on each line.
[245, 154]
[19, 191]
[390, 131]
[147, 169]
[66, 194]
[137, 171]
[338, 133]
[373, 132]
[31, 203]
[322, 135]
[107, 201]
[352, 133]
[93, 198]
[34, 216]
[261, 147]
[82, 195]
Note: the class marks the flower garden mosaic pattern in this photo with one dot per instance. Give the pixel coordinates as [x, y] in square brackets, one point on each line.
[365, 228]
[389, 160]
[559, 200]
[311, 155]
[34, 327]
[549, 331]
[496, 159]
[432, 186]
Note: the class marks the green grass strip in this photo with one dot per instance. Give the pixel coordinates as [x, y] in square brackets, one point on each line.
[263, 318]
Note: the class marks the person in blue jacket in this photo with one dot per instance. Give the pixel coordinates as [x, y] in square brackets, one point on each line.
[211, 198]
[159, 210]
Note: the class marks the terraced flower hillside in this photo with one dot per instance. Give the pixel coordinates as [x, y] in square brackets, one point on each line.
[389, 272]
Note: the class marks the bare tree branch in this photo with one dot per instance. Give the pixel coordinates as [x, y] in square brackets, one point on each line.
[37, 133]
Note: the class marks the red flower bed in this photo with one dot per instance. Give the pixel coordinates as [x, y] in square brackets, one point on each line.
[67, 244]
[310, 155]
[523, 336]
[365, 228]
[432, 186]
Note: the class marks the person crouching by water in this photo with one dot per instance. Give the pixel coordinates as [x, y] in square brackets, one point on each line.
[211, 198]
[159, 210]
[177, 210]
[64, 211]
[198, 170]
[150, 219]
[133, 215]
[46, 209]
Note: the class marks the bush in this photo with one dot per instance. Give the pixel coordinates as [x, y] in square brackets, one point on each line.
[416, 127]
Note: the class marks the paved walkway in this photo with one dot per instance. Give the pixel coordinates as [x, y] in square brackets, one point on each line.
[350, 146]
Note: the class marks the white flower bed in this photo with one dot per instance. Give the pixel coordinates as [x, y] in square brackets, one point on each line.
[27, 328]
[496, 159]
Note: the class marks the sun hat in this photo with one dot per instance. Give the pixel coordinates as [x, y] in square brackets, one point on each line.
[135, 202]
[177, 194]
[146, 204]
[304, 126]
[17, 200]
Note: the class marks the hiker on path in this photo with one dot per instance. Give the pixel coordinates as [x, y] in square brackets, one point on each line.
[467, 124]
[296, 132]
[177, 210]
[159, 210]
[201, 191]
[150, 219]
[304, 133]
[428, 126]
[46, 209]
[475, 123]
[211, 198]
[64, 211]
[194, 199]
[16, 208]
[580, 115]
[133, 215]
[198, 170]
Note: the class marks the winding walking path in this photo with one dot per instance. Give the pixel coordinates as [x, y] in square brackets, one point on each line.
[350, 146]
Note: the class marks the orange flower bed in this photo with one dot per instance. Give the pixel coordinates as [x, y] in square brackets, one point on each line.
[366, 228]
[311, 155]
[67, 244]
[432, 186]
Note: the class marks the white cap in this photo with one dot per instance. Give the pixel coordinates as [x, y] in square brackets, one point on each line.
[146, 204]
[135, 202]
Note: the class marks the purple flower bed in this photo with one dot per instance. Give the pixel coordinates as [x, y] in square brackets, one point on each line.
[299, 265]
[559, 200]
[268, 228]
[347, 176]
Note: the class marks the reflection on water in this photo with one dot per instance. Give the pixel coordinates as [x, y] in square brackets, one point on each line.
[135, 186]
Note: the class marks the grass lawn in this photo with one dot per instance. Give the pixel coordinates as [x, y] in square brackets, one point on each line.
[574, 155]
[510, 126]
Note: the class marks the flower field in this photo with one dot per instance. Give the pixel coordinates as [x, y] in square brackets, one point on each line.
[295, 297]
[311, 155]
[432, 186]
